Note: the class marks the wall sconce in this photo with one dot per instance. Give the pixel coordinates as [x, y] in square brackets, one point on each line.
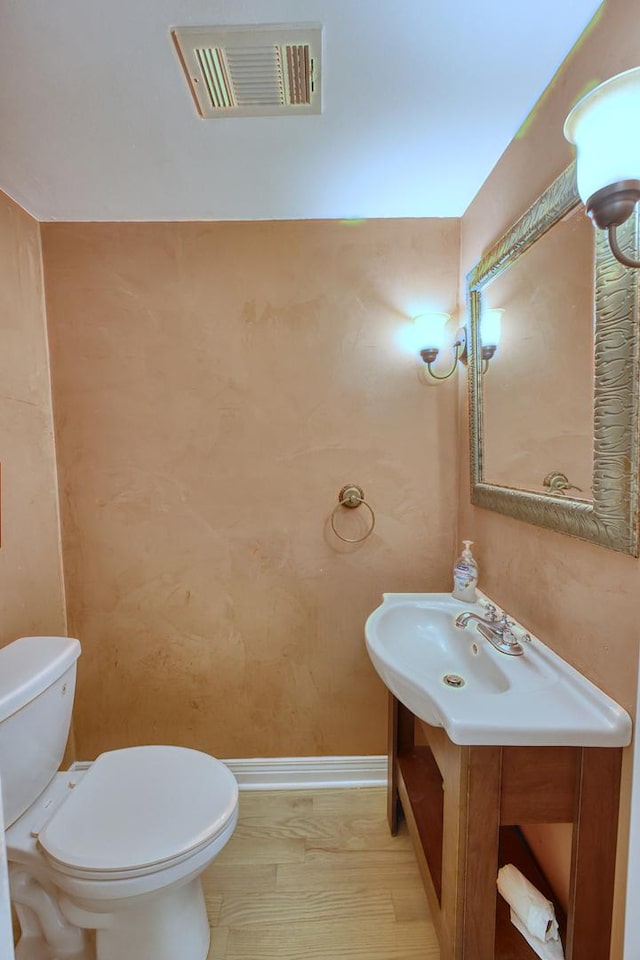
[604, 127]
[430, 334]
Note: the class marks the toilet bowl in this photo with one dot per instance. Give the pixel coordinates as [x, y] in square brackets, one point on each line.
[123, 844]
[105, 861]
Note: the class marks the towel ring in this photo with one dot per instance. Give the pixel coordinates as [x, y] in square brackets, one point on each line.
[351, 497]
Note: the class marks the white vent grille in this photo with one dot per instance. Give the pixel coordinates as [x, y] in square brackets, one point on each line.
[252, 71]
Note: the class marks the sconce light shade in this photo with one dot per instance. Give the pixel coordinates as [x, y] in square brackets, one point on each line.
[429, 330]
[604, 127]
[490, 325]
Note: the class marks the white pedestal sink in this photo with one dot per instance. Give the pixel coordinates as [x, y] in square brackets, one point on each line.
[453, 678]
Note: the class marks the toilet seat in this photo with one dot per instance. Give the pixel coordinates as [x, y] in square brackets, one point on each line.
[140, 810]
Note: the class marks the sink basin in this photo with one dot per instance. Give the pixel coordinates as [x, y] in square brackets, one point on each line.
[453, 678]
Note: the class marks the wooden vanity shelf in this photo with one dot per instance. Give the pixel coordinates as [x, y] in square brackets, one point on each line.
[463, 805]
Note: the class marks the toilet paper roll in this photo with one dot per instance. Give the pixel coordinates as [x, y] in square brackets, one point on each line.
[535, 912]
[548, 950]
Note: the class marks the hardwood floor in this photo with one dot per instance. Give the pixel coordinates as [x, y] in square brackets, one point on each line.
[315, 875]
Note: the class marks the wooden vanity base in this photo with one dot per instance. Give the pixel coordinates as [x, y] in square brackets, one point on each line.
[462, 805]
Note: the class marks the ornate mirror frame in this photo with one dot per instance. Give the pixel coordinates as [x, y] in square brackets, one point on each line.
[611, 518]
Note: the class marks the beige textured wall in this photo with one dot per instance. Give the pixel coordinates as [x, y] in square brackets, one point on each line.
[579, 598]
[215, 385]
[32, 593]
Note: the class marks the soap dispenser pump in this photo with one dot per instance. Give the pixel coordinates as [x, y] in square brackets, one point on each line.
[465, 575]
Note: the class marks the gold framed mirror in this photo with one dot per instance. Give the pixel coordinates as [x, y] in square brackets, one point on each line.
[554, 430]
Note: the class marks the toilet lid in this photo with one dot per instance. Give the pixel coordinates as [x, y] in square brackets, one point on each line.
[140, 807]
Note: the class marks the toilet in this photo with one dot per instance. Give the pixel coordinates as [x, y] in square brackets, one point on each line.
[105, 859]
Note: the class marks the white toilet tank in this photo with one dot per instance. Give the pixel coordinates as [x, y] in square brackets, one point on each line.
[37, 683]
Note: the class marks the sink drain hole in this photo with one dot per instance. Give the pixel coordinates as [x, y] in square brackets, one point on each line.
[453, 680]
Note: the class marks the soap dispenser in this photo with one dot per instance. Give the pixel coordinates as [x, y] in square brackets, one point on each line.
[465, 575]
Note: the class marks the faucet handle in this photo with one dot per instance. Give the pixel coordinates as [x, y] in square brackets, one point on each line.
[492, 611]
[506, 624]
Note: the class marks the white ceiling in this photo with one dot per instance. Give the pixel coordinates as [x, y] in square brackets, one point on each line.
[420, 98]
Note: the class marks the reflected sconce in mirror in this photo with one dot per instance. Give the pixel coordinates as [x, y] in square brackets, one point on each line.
[605, 128]
[490, 327]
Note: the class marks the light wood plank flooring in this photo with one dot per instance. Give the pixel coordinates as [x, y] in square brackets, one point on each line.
[315, 875]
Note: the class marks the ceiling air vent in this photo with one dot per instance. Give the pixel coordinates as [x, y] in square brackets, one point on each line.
[252, 71]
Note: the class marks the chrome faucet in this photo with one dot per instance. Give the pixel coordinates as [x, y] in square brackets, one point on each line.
[496, 629]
